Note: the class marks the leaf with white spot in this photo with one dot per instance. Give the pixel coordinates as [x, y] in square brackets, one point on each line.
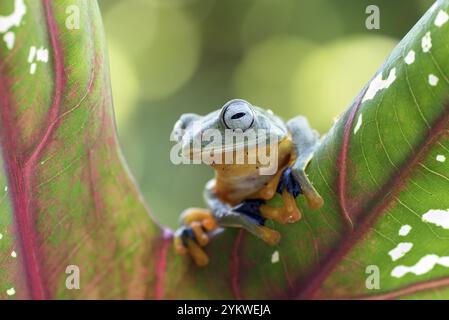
[433, 80]
[442, 18]
[275, 257]
[71, 202]
[79, 207]
[405, 229]
[410, 57]
[437, 217]
[426, 42]
[400, 250]
[358, 124]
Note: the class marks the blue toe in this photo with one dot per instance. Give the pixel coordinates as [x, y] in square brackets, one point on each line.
[186, 233]
[288, 182]
[251, 208]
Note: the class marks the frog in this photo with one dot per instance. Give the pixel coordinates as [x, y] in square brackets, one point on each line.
[240, 196]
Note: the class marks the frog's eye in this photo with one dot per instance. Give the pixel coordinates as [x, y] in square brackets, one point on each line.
[238, 114]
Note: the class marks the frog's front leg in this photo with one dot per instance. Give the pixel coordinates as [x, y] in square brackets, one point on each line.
[288, 189]
[305, 142]
[192, 235]
[198, 223]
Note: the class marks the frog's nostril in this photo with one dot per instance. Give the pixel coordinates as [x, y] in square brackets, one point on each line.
[238, 115]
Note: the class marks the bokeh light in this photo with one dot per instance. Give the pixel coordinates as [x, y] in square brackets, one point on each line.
[265, 74]
[330, 77]
[125, 90]
[162, 41]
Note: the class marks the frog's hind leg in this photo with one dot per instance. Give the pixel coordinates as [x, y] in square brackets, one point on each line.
[247, 215]
[198, 223]
[305, 141]
[288, 213]
[250, 224]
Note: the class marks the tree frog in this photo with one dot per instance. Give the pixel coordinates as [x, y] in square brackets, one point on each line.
[240, 196]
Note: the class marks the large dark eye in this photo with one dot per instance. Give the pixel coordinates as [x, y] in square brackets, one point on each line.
[238, 114]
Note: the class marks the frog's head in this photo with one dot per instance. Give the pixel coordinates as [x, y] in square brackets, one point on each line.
[198, 134]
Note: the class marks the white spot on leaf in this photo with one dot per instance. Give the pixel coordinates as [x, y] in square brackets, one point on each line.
[378, 84]
[433, 80]
[437, 217]
[15, 18]
[9, 39]
[426, 42]
[42, 55]
[31, 54]
[11, 292]
[33, 68]
[424, 265]
[358, 124]
[400, 250]
[14, 254]
[37, 55]
[440, 158]
[405, 229]
[410, 57]
[441, 18]
[275, 257]
[1, 236]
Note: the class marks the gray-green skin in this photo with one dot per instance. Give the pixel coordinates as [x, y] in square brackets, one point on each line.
[305, 141]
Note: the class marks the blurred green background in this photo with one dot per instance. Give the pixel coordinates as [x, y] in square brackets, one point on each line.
[170, 57]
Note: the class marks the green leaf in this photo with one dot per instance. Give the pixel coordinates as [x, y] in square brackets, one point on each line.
[67, 198]
[70, 200]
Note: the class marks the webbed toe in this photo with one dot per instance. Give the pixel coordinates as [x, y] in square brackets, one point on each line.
[289, 183]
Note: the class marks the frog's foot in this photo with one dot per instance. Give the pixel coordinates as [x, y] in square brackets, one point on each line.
[306, 141]
[289, 189]
[289, 213]
[313, 198]
[296, 182]
[289, 183]
[251, 208]
[247, 215]
[203, 216]
[185, 242]
[194, 234]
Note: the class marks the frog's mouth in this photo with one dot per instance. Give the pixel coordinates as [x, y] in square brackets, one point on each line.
[195, 152]
[213, 150]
